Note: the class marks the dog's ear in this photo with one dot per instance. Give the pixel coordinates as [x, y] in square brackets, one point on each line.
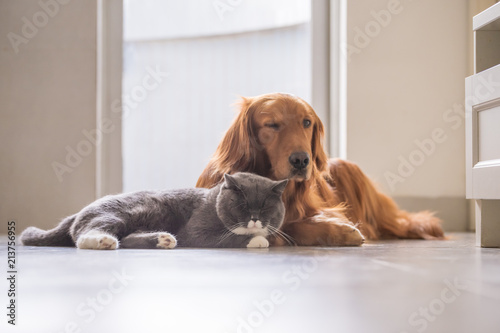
[319, 155]
[236, 152]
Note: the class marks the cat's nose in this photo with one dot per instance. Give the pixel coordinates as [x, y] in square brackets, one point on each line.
[254, 219]
[254, 223]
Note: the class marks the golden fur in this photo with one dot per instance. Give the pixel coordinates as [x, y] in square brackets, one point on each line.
[325, 201]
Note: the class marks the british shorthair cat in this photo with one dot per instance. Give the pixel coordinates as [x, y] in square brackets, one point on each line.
[240, 212]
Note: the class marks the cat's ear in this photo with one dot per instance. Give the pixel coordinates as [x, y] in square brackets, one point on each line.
[230, 182]
[280, 186]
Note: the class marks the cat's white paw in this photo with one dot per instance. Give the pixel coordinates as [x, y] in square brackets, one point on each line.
[97, 241]
[166, 241]
[107, 242]
[258, 241]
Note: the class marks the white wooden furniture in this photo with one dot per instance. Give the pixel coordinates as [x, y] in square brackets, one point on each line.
[482, 105]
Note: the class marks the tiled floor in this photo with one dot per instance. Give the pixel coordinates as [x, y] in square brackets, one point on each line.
[385, 286]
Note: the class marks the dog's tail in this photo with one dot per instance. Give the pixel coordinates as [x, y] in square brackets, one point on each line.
[377, 213]
[420, 225]
[59, 236]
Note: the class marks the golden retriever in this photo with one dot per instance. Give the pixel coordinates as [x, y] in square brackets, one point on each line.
[328, 201]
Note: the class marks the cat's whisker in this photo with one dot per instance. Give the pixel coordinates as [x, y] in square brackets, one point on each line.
[289, 239]
[225, 235]
[229, 232]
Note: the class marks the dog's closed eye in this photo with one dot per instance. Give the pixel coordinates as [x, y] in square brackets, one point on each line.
[274, 126]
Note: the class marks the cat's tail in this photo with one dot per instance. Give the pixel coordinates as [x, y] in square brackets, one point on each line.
[59, 236]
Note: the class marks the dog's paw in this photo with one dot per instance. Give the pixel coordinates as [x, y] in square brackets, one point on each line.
[340, 233]
[97, 241]
[352, 235]
[166, 241]
[258, 241]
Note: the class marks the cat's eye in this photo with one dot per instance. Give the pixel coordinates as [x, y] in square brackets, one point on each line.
[307, 123]
[274, 126]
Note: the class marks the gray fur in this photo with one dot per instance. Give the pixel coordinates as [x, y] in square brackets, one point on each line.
[198, 217]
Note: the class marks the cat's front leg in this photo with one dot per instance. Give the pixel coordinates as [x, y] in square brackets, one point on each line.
[240, 241]
[258, 241]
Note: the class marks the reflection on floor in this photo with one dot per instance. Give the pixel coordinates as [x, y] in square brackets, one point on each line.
[384, 286]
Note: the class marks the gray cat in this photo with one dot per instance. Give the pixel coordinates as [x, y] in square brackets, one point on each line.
[240, 212]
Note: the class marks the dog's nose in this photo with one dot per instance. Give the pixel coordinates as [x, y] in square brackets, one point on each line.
[299, 160]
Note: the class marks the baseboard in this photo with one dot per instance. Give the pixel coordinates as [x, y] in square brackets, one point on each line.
[454, 211]
[472, 215]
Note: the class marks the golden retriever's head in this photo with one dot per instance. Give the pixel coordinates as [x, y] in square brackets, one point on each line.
[275, 135]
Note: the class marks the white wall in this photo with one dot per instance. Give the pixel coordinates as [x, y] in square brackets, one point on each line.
[48, 98]
[406, 70]
[403, 84]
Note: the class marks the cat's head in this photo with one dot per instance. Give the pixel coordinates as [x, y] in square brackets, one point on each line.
[249, 204]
